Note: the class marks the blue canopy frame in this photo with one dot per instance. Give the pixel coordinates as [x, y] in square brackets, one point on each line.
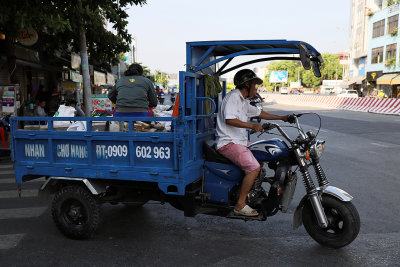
[203, 56]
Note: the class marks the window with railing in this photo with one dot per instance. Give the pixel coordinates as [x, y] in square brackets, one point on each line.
[378, 28]
[392, 23]
[377, 55]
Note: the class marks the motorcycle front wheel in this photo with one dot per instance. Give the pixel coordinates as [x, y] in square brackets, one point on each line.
[343, 222]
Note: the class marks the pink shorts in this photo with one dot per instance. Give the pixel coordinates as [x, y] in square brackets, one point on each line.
[241, 156]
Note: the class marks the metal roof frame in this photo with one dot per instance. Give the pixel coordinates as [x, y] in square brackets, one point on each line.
[205, 55]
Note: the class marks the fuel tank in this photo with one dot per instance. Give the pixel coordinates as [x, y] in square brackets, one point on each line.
[269, 150]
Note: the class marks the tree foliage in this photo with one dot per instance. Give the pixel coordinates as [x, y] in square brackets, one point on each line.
[58, 23]
[161, 77]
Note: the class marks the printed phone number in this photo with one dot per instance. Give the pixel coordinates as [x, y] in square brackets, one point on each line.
[144, 152]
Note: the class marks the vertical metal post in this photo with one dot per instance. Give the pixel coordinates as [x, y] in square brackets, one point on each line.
[87, 93]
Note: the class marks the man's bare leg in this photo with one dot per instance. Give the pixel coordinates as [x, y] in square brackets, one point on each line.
[247, 183]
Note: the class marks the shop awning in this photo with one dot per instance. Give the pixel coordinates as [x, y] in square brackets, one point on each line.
[356, 80]
[396, 80]
[386, 78]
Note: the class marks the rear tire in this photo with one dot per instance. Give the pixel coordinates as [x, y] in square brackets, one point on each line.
[76, 212]
[343, 222]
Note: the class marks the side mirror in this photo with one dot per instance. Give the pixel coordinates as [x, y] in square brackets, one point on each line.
[304, 56]
[315, 68]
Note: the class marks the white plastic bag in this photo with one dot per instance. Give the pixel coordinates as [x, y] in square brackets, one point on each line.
[77, 126]
[64, 111]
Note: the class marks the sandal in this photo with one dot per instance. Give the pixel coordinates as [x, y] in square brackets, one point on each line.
[246, 211]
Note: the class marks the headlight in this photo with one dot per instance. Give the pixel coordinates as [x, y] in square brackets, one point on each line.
[317, 149]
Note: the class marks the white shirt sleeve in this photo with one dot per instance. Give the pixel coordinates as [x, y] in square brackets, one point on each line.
[232, 108]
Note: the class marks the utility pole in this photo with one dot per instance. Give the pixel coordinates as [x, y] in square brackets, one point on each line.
[87, 92]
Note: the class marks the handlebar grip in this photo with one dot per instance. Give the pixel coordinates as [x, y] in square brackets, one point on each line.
[266, 126]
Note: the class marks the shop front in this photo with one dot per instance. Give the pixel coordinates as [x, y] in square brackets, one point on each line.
[372, 76]
[388, 85]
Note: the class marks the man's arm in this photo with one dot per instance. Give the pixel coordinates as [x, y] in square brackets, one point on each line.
[241, 124]
[254, 126]
[268, 116]
[152, 96]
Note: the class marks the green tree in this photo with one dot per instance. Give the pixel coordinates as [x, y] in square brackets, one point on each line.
[37, 14]
[161, 78]
[70, 26]
[292, 67]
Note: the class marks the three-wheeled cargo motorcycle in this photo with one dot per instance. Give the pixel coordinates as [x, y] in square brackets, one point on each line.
[85, 169]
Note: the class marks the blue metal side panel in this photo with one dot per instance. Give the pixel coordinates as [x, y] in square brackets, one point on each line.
[219, 179]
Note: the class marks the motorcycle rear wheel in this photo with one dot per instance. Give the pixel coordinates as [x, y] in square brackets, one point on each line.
[343, 222]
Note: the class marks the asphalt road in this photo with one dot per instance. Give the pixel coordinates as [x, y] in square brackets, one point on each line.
[361, 157]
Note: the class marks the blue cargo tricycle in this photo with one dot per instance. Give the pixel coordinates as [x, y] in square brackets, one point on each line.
[85, 169]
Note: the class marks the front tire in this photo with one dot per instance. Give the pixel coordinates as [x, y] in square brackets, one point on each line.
[76, 212]
[343, 222]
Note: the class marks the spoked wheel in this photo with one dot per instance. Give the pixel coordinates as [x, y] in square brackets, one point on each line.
[343, 222]
[76, 212]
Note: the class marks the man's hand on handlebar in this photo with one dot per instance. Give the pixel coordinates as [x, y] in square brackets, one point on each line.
[289, 118]
[256, 127]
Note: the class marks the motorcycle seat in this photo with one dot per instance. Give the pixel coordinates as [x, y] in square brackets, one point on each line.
[212, 155]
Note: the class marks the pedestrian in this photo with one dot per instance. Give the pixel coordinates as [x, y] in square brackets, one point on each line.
[40, 109]
[133, 94]
[79, 112]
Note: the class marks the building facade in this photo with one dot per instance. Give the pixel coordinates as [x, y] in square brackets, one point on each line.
[361, 10]
[383, 71]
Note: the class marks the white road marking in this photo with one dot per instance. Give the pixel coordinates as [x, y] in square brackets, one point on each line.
[10, 241]
[381, 145]
[12, 180]
[7, 181]
[21, 213]
[8, 166]
[6, 172]
[14, 193]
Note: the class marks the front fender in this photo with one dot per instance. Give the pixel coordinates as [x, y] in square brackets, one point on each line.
[329, 190]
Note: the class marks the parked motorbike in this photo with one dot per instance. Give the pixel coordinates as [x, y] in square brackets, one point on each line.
[326, 211]
[256, 101]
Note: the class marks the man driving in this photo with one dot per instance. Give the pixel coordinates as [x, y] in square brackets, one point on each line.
[232, 122]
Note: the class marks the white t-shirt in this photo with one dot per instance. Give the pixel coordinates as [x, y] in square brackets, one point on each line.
[234, 106]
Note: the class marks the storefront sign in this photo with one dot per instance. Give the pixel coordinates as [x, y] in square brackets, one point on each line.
[27, 37]
[373, 75]
[99, 78]
[110, 79]
[75, 61]
[8, 99]
[101, 102]
[68, 86]
[75, 76]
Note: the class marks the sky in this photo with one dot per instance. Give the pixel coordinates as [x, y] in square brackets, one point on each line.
[162, 27]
